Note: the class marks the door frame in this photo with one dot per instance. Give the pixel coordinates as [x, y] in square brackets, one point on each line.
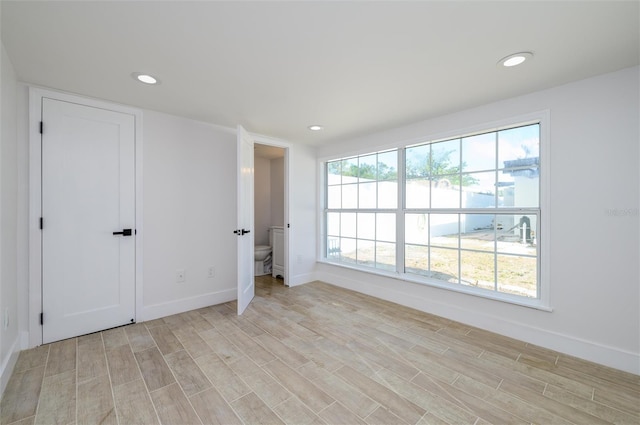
[265, 140]
[36, 94]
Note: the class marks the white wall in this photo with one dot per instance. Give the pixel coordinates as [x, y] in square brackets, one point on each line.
[276, 180]
[262, 200]
[594, 224]
[303, 214]
[189, 214]
[9, 336]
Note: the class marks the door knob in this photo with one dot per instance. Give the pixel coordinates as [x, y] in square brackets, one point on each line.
[245, 231]
[125, 232]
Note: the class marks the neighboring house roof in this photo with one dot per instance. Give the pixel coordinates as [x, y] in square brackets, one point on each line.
[524, 167]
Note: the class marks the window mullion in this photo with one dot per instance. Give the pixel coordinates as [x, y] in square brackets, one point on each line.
[459, 248]
[497, 173]
[495, 218]
[429, 245]
[400, 211]
[459, 177]
[495, 252]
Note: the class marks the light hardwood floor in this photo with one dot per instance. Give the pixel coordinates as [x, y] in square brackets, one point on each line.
[313, 354]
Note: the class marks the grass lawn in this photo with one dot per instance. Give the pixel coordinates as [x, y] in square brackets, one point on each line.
[515, 262]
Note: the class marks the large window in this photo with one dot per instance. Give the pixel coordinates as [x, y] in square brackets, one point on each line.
[461, 212]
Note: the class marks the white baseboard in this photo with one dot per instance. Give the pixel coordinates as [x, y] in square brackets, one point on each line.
[563, 343]
[157, 311]
[6, 368]
[301, 279]
[24, 340]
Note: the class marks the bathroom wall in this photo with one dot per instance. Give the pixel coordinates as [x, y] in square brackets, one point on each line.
[277, 192]
[262, 200]
[268, 196]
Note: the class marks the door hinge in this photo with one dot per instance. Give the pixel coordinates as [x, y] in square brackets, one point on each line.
[41, 223]
[41, 127]
[41, 318]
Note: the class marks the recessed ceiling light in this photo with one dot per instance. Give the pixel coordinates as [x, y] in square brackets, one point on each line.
[315, 127]
[515, 59]
[145, 78]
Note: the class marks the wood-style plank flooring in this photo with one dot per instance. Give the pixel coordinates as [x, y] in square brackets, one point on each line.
[313, 354]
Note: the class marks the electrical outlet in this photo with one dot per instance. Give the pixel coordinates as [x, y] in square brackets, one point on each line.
[212, 272]
[5, 323]
[180, 276]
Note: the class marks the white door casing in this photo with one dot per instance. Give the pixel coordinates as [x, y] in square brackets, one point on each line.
[244, 230]
[88, 192]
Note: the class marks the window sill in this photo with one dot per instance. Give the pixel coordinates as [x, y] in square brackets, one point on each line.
[534, 303]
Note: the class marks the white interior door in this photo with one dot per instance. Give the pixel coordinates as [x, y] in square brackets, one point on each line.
[88, 193]
[244, 231]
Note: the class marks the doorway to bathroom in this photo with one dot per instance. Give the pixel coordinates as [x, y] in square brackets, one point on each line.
[270, 212]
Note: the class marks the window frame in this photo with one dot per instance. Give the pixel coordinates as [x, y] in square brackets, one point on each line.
[542, 301]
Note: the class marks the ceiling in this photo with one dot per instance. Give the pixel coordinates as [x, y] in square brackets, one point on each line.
[277, 67]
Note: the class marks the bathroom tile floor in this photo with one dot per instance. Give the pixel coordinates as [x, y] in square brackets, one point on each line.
[312, 354]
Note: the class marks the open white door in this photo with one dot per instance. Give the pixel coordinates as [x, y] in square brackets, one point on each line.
[244, 231]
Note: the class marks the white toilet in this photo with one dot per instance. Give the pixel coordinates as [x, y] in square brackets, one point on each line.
[262, 253]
